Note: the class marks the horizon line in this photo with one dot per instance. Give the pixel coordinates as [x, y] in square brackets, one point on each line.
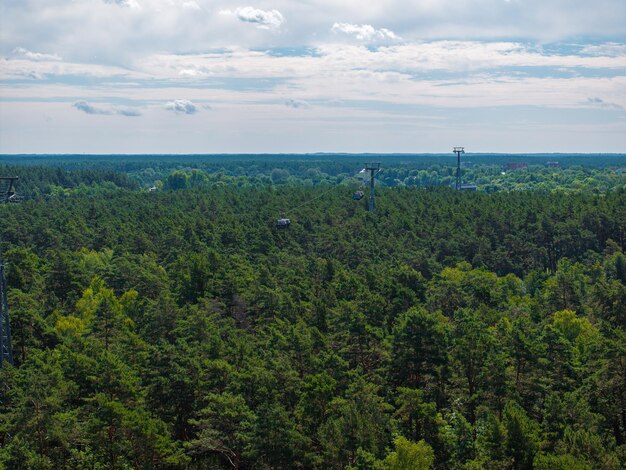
[528, 154]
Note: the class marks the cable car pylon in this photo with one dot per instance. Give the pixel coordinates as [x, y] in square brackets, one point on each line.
[458, 151]
[6, 350]
[7, 195]
[373, 168]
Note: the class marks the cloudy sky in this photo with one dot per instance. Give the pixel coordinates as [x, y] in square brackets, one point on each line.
[207, 76]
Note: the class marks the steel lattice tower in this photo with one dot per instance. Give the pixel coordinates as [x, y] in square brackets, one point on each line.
[458, 151]
[7, 195]
[373, 168]
[6, 351]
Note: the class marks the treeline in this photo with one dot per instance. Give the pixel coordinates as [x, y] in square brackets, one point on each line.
[490, 178]
[181, 329]
[576, 173]
[132, 162]
[42, 181]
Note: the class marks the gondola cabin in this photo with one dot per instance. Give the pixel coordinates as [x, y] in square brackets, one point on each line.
[283, 223]
[358, 195]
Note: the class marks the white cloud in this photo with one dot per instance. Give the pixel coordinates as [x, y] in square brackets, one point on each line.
[389, 63]
[192, 73]
[298, 104]
[607, 50]
[151, 50]
[364, 32]
[107, 36]
[87, 108]
[191, 5]
[124, 3]
[599, 102]
[34, 75]
[128, 112]
[263, 19]
[20, 67]
[37, 56]
[182, 107]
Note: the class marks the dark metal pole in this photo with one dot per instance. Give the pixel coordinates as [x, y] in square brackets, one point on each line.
[7, 194]
[6, 351]
[458, 171]
[373, 168]
[458, 151]
[372, 197]
[2, 310]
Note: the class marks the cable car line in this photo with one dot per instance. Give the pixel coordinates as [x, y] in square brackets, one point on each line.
[283, 222]
[310, 200]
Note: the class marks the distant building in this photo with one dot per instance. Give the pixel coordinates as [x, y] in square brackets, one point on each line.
[516, 166]
[553, 164]
[468, 187]
[153, 189]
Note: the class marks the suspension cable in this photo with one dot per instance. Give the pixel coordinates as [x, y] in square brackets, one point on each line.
[292, 209]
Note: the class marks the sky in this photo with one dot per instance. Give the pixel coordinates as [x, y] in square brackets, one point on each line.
[210, 76]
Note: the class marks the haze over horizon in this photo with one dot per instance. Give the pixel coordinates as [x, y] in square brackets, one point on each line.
[194, 76]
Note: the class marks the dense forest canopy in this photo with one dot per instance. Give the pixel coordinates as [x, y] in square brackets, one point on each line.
[178, 328]
[46, 175]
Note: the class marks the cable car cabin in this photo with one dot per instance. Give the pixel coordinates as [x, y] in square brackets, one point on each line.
[358, 195]
[283, 223]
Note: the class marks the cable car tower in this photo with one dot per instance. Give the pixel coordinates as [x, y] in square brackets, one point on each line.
[6, 351]
[7, 195]
[458, 151]
[373, 168]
